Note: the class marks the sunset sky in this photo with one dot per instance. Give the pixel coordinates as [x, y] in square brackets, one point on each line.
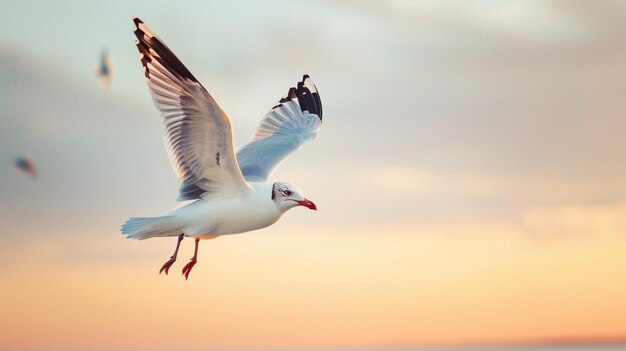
[470, 176]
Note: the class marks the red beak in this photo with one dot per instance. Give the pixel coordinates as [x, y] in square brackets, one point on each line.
[308, 204]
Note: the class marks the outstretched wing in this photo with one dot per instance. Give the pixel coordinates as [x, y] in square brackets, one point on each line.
[290, 124]
[198, 133]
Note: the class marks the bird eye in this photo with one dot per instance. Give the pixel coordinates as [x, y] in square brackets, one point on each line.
[286, 192]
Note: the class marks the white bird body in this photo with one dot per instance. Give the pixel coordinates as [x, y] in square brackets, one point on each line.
[206, 218]
[230, 190]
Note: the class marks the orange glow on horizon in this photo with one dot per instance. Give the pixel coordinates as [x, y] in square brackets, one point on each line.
[413, 287]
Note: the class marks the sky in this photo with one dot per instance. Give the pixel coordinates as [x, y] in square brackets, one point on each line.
[470, 176]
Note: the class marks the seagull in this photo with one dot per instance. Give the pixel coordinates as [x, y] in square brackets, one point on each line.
[26, 165]
[105, 69]
[230, 191]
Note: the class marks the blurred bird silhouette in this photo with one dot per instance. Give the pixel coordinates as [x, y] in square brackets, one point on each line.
[25, 165]
[105, 69]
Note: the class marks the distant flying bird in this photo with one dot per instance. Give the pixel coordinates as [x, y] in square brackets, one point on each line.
[231, 192]
[26, 165]
[105, 69]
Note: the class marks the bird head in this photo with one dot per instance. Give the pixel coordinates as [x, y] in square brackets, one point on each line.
[287, 196]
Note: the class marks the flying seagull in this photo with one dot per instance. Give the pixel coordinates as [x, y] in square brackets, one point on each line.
[105, 69]
[230, 192]
[26, 165]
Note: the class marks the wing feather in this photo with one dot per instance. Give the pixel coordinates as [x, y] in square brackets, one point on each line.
[198, 133]
[293, 122]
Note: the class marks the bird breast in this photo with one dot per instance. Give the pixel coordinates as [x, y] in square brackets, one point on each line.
[235, 215]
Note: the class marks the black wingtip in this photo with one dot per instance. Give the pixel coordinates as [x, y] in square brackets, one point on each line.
[291, 94]
[309, 99]
[152, 48]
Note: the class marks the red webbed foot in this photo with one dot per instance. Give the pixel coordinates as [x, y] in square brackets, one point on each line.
[166, 266]
[188, 268]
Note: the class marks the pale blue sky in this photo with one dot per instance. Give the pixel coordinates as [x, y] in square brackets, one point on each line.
[519, 99]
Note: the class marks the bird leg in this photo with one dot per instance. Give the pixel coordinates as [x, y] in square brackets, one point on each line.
[166, 266]
[192, 262]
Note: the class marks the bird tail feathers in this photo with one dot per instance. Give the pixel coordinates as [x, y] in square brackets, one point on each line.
[150, 227]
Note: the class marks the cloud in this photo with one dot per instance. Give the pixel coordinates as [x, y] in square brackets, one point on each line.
[590, 220]
[537, 21]
[536, 188]
[420, 125]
